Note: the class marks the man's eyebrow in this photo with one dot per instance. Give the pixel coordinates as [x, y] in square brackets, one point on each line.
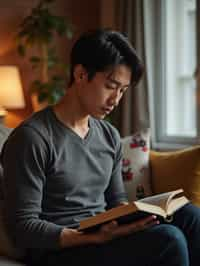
[117, 82]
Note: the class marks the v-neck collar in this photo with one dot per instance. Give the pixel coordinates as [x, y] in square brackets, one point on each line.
[71, 131]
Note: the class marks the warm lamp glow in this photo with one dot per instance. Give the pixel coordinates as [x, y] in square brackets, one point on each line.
[11, 95]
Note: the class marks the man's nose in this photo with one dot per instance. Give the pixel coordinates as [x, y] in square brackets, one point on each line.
[115, 97]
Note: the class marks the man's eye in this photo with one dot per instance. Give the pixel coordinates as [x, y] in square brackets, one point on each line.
[108, 86]
[122, 91]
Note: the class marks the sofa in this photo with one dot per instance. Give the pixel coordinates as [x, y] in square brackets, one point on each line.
[145, 172]
[8, 254]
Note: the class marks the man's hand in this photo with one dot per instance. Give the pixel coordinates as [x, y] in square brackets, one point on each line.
[107, 232]
[112, 230]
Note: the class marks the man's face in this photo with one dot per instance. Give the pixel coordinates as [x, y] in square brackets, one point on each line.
[99, 96]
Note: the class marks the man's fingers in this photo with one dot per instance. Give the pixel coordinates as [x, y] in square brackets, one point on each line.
[145, 222]
[152, 223]
[148, 219]
[136, 226]
[112, 229]
[110, 226]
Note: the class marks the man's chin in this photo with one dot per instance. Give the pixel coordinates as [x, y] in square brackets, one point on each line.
[99, 116]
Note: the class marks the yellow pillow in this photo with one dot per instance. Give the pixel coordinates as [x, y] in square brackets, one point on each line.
[177, 169]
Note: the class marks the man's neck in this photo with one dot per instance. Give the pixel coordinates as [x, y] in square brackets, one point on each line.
[68, 111]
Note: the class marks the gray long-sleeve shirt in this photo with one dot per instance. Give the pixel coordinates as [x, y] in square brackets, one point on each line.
[54, 178]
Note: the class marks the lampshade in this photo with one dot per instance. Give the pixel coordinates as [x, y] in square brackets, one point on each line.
[11, 94]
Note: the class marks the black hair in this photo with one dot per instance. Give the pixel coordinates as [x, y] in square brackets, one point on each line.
[100, 50]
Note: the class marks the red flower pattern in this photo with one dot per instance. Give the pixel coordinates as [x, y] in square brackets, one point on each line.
[137, 142]
[126, 170]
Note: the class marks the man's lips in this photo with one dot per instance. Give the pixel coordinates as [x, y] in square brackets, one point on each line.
[107, 109]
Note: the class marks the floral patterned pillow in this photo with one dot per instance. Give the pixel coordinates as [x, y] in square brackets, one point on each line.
[135, 168]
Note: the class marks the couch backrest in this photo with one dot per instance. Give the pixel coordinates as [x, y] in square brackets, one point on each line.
[6, 246]
[4, 133]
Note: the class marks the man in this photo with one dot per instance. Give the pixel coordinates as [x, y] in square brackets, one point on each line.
[64, 164]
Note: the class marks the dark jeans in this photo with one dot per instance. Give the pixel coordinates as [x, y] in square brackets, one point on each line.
[174, 244]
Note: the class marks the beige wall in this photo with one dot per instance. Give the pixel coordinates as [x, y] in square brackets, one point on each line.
[84, 14]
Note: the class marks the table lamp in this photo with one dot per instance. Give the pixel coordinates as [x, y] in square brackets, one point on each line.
[11, 93]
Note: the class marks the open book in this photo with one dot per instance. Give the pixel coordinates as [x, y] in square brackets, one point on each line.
[163, 205]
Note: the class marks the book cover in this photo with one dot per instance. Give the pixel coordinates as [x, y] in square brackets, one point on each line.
[163, 205]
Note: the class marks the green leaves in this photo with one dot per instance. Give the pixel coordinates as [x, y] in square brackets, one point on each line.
[21, 49]
[41, 25]
[52, 58]
[35, 59]
[37, 31]
[50, 91]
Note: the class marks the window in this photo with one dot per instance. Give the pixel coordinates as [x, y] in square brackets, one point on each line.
[175, 102]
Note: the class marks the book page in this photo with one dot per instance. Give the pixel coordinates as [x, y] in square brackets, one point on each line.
[161, 200]
[176, 204]
[173, 194]
[153, 205]
[149, 208]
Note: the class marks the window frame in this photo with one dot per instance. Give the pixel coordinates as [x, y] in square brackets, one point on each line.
[160, 140]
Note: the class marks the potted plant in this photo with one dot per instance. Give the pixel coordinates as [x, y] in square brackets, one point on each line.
[37, 32]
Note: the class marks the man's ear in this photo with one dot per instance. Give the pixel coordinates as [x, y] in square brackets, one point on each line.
[80, 73]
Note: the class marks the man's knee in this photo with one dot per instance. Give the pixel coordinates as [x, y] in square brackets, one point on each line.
[170, 245]
[170, 233]
[189, 214]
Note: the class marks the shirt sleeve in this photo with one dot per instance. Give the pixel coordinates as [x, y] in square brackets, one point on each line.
[115, 193]
[25, 160]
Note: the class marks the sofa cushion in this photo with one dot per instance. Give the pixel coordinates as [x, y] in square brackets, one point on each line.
[4, 132]
[1, 182]
[7, 262]
[135, 168]
[6, 246]
[177, 169]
